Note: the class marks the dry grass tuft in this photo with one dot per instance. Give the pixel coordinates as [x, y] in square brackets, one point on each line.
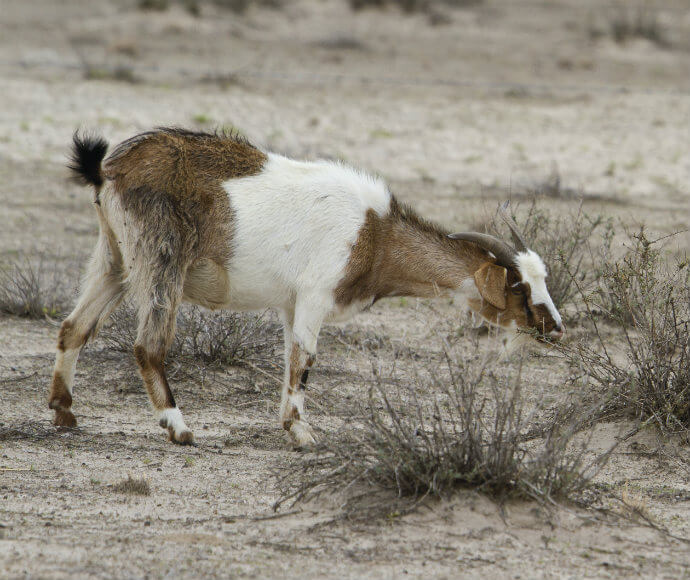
[411, 6]
[212, 338]
[470, 432]
[153, 5]
[642, 22]
[647, 299]
[634, 504]
[120, 73]
[625, 23]
[37, 285]
[133, 486]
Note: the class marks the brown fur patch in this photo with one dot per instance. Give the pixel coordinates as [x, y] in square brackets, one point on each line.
[141, 357]
[206, 283]
[294, 416]
[64, 419]
[513, 312]
[153, 375]
[69, 338]
[300, 361]
[187, 169]
[185, 438]
[401, 254]
[60, 397]
[543, 320]
[490, 280]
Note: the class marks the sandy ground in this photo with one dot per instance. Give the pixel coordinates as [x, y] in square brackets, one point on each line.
[456, 117]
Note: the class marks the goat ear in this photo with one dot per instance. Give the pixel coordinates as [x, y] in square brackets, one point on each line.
[491, 283]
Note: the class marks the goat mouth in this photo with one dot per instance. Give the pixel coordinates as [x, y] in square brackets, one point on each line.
[549, 337]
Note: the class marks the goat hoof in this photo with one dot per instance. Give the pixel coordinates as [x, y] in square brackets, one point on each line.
[185, 437]
[302, 434]
[64, 419]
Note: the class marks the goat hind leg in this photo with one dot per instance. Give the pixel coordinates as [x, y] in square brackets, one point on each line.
[102, 293]
[156, 331]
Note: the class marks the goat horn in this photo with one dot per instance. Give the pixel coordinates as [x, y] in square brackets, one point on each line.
[505, 255]
[520, 244]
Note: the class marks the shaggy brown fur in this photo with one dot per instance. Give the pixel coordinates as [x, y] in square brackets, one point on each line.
[401, 254]
[181, 172]
[60, 400]
[162, 192]
[59, 394]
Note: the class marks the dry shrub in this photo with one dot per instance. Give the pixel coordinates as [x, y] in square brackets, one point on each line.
[153, 5]
[471, 431]
[133, 486]
[571, 245]
[213, 338]
[38, 285]
[121, 73]
[626, 23]
[412, 5]
[648, 300]
[241, 6]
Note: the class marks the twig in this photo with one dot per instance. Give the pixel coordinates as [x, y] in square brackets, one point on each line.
[17, 379]
[263, 372]
[275, 516]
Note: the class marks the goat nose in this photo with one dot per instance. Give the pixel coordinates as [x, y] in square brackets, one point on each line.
[557, 332]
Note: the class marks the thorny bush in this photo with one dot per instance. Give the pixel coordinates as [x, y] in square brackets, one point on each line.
[468, 430]
[37, 285]
[214, 338]
[647, 299]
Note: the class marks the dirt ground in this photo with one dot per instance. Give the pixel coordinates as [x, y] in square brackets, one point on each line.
[457, 112]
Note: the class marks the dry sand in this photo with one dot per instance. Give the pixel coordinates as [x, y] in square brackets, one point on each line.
[503, 97]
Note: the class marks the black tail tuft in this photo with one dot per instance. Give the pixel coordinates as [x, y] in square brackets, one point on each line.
[88, 152]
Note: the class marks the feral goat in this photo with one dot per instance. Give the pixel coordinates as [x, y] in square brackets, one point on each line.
[212, 220]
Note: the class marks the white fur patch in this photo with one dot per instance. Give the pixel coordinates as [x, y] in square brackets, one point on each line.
[173, 418]
[533, 271]
[295, 225]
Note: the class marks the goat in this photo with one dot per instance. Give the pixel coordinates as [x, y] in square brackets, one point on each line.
[211, 219]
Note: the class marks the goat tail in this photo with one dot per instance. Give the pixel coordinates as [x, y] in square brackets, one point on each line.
[88, 152]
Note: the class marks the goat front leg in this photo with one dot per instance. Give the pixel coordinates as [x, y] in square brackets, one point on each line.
[300, 354]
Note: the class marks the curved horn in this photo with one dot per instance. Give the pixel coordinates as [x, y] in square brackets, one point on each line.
[520, 244]
[505, 255]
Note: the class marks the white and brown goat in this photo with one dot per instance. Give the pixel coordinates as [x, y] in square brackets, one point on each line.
[212, 220]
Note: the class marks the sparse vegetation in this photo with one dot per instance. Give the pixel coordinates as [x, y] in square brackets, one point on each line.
[412, 5]
[469, 434]
[212, 338]
[154, 5]
[133, 486]
[202, 119]
[241, 6]
[647, 300]
[625, 23]
[121, 73]
[36, 286]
